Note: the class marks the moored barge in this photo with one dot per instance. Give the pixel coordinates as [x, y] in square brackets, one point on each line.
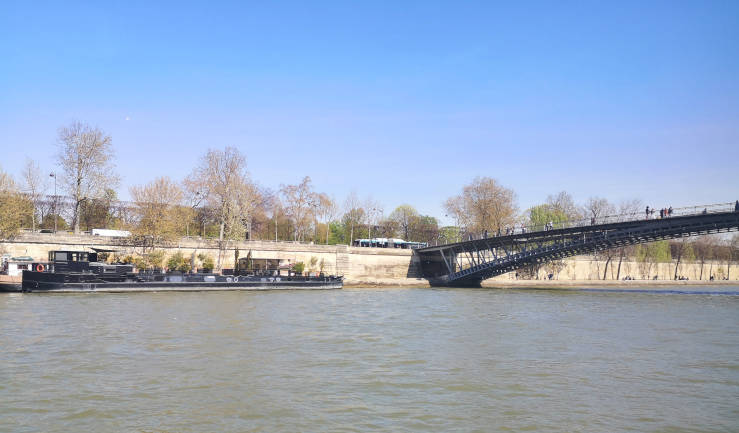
[79, 271]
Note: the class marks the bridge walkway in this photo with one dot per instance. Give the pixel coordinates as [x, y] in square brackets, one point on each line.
[468, 263]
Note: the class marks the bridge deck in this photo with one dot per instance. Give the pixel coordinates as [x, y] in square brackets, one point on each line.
[468, 263]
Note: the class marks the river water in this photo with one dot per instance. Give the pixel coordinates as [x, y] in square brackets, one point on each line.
[401, 360]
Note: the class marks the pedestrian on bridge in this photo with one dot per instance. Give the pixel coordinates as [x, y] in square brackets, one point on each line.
[669, 212]
[647, 212]
[736, 206]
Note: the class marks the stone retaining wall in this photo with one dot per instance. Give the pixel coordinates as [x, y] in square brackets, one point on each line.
[358, 265]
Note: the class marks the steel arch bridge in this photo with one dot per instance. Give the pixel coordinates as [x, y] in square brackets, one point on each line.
[466, 264]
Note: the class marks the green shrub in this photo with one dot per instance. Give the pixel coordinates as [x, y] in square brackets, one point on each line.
[207, 262]
[139, 263]
[178, 262]
[299, 267]
[129, 259]
[155, 259]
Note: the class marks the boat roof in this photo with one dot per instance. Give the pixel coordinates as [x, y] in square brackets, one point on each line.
[22, 259]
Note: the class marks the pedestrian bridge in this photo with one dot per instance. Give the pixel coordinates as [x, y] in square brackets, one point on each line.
[466, 264]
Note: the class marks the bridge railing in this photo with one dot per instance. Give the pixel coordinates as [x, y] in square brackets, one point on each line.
[609, 219]
[658, 214]
[654, 214]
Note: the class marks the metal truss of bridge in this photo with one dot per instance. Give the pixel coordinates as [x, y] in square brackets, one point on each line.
[466, 264]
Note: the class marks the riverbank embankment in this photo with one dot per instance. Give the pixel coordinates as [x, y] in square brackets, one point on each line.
[384, 267]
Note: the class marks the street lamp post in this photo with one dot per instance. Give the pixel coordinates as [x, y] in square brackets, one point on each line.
[371, 214]
[55, 198]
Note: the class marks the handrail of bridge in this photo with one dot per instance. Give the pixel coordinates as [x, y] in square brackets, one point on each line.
[617, 218]
[640, 216]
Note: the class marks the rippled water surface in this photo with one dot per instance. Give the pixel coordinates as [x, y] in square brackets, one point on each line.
[412, 360]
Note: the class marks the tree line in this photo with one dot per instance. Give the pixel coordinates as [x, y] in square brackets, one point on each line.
[220, 200]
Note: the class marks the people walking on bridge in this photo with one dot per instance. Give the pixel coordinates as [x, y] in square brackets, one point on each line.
[661, 213]
[669, 211]
[736, 206]
[647, 212]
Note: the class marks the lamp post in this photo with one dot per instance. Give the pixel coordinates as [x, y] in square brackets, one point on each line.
[370, 220]
[55, 215]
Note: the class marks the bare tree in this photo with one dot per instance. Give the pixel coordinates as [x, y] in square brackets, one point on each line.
[86, 158]
[193, 198]
[373, 210]
[704, 248]
[259, 221]
[276, 211]
[679, 248]
[454, 207]
[245, 200]
[563, 202]
[732, 254]
[597, 208]
[223, 181]
[483, 205]
[632, 206]
[299, 201]
[158, 209]
[13, 207]
[327, 210]
[34, 186]
[354, 212]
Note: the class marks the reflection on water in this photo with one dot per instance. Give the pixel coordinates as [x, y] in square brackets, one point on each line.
[370, 360]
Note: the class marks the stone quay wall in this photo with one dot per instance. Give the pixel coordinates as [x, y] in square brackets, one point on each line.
[359, 266]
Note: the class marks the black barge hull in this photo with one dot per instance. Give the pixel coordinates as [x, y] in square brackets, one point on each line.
[49, 282]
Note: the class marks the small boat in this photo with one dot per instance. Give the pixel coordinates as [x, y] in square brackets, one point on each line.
[80, 271]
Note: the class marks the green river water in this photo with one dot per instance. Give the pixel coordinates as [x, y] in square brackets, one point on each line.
[359, 360]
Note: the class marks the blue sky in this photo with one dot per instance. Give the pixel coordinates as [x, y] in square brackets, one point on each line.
[404, 101]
